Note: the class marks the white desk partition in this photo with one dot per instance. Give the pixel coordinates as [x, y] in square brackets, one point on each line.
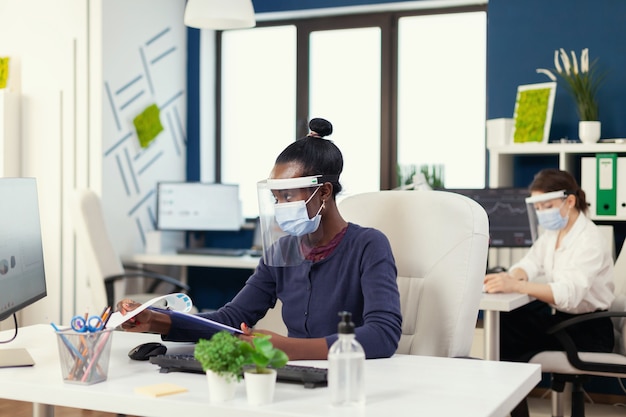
[400, 386]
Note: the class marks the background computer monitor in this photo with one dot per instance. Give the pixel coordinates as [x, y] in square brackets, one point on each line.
[22, 273]
[508, 216]
[198, 206]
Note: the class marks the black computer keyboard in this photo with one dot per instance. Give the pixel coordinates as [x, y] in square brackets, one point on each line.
[309, 376]
[212, 251]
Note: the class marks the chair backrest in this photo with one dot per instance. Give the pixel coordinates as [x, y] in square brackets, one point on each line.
[619, 304]
[93, 239]
[439, 240]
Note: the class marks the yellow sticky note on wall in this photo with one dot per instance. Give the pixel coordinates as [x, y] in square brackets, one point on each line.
[158, 390]
[4, 71]
[148, 125]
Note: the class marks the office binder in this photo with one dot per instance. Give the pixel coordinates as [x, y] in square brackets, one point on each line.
[606, 184]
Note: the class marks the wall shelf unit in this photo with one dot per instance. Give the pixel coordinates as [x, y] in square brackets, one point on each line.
[504, 160]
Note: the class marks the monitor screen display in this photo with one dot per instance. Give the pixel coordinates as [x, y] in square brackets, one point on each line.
[22, 274]
[508, 216]
[198, 206]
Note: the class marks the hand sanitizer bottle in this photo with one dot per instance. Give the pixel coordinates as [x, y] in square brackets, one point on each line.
[346, 363]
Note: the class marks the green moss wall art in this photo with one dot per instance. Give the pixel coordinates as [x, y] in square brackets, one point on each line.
[533, 112]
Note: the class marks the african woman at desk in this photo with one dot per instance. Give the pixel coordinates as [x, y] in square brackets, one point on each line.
[314, 261]
[569, 270]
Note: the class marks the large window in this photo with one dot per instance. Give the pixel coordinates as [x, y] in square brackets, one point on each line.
[441, 95]
[345, 89]
[400, 89]
[258, 105]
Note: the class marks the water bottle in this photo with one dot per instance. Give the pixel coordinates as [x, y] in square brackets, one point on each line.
[346, 363]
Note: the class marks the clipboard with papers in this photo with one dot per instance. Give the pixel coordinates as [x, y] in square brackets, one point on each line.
[179, 304]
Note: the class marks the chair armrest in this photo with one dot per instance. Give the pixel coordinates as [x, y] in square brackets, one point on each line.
[560, 332]
[159, 279]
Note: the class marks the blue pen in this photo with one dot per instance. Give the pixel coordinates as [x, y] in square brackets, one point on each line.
[67, 342]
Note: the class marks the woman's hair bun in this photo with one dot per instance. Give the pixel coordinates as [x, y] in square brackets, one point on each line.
[321, 126]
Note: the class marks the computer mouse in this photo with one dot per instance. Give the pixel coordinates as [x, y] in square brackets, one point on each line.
[145, 350]
[496, 270]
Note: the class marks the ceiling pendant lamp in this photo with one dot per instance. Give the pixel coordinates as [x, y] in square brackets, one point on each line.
[219, 14]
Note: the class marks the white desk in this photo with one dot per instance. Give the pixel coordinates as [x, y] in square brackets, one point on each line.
[401, 386]
[184, 261]
[492, 305]
[238, 262]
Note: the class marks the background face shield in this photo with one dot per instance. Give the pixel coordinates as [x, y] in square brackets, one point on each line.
[535, 229]
[279, 248]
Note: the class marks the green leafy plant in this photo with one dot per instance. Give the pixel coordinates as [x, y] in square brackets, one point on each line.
[583, 82]
[263, 355]
[222, 354]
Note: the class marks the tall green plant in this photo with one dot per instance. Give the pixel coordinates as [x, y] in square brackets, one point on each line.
[581, 82]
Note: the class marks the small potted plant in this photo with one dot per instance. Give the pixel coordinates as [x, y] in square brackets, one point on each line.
[260, 378]
[222, 358]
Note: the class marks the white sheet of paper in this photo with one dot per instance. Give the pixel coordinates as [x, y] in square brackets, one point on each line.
[177, 302]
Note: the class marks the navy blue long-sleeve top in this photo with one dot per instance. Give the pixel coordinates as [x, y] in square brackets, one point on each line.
[359, 276]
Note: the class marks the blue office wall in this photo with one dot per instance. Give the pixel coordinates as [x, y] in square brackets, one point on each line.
[522, 36]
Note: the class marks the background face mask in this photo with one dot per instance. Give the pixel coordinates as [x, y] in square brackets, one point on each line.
[551, 219]
[293, 217]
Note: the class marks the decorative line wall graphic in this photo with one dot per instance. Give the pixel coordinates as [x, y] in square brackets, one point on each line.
[179, 123]
[171, 126]
[146, 69]
[132, 100]
[163, 55]
[130, 169]
[141, 202]
[123, 177]
[146, 100]
[124, 87]
[117, 119]
[118, 143]
[142, 234]
[151, 162]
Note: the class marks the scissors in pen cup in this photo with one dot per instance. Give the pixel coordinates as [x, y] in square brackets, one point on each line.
[92, 324]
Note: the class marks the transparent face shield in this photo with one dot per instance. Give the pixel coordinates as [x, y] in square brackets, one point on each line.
[279, 247]
[540, 201]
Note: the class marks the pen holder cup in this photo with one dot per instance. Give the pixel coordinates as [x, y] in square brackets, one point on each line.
[84, 357]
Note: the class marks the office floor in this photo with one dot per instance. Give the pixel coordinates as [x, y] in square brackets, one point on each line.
[539, 407]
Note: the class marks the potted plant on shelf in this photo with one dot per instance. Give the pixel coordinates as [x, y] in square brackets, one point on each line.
[583, 83]
[260, 377]
[222, 358]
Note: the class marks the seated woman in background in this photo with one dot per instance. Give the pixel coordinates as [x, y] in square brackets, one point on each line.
[321, 265]
[569, 270]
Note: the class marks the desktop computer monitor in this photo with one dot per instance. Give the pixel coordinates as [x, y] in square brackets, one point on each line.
[22, 274]
[198, 206]
[509, 226]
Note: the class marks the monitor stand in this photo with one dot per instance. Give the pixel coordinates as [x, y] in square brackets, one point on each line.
[15, 357]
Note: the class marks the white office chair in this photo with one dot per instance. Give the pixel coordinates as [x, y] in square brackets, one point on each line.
[104, 264]
[439, 240]
[573, 366]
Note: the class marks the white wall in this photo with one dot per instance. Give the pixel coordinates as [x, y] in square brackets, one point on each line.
[63, 53]
[144, 62]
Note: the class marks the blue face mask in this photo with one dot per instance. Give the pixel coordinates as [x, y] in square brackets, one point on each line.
[293, 217]
[551, 219]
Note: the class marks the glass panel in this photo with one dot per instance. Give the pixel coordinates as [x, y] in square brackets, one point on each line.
[345, 89]
[258, 105]
[441, 95]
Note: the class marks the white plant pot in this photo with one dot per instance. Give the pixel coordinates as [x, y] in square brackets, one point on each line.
[260, 387]
[221, 389]
[589, 131]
